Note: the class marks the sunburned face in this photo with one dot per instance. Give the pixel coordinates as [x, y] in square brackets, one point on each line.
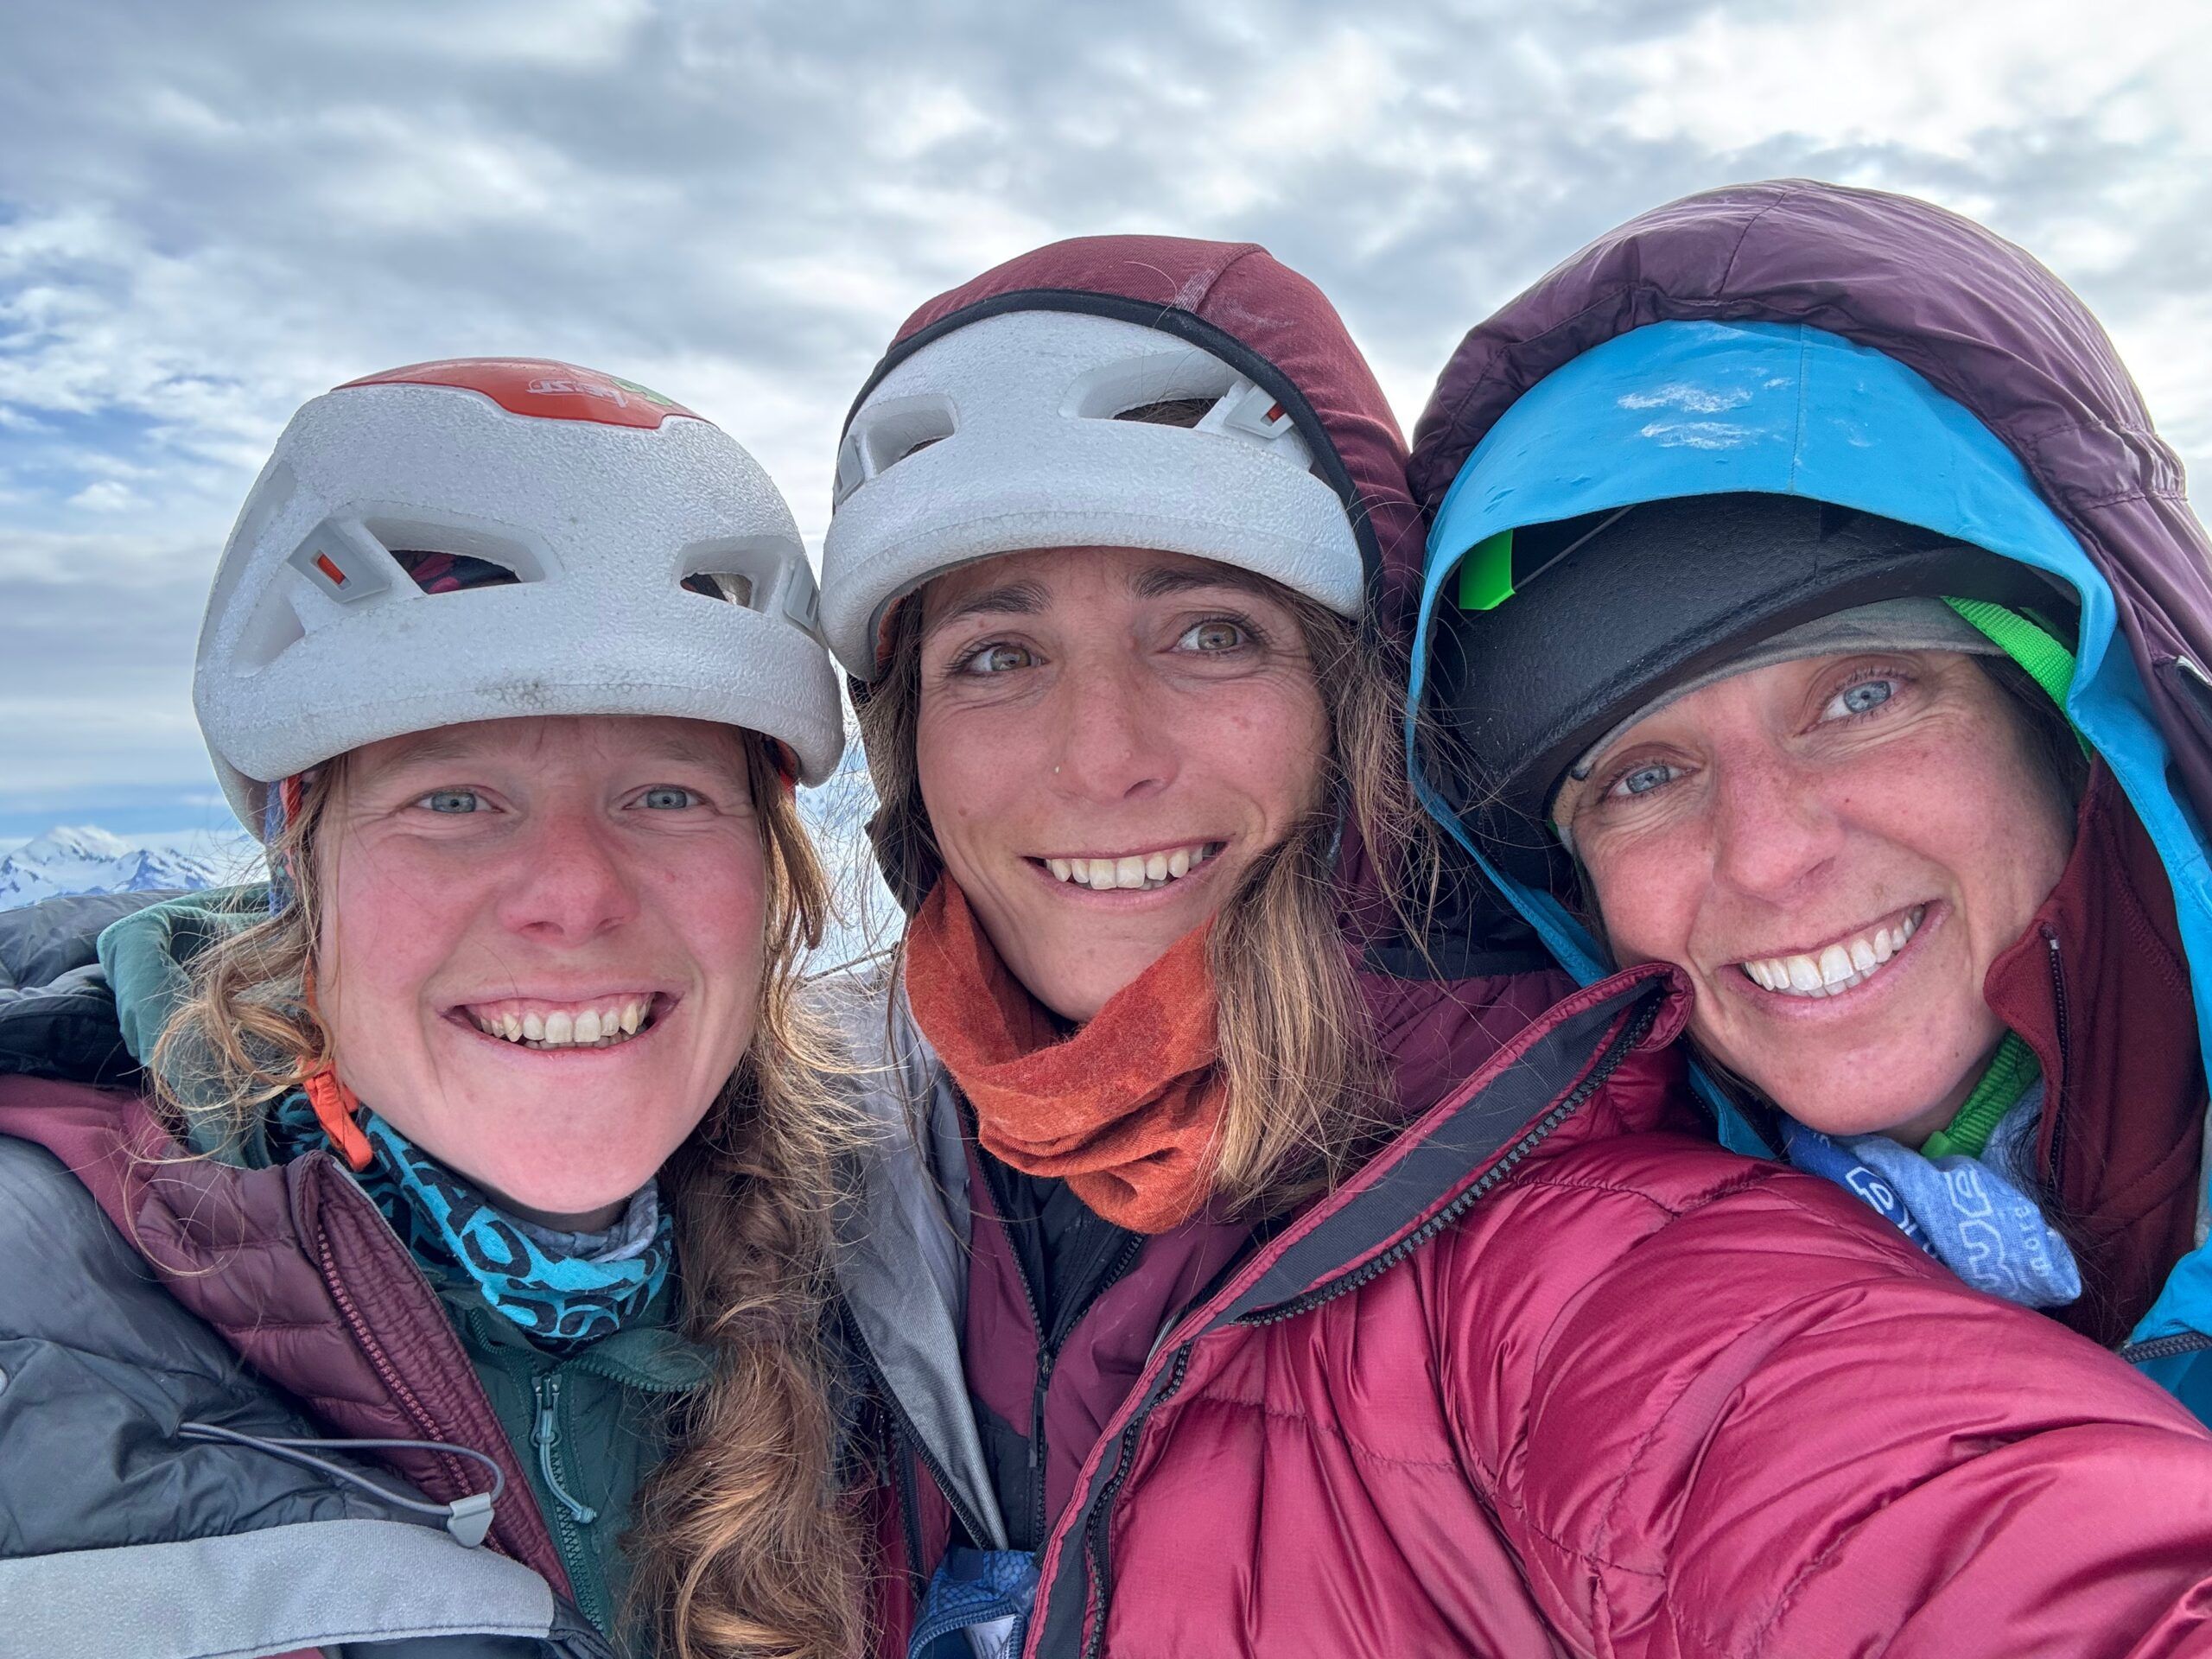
[541, 942]
[1107, 739]
[1835, 850]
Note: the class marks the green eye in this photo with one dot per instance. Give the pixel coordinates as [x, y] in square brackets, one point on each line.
[1000, 659]
[1212, 638]
[450, 801]
[667, 797]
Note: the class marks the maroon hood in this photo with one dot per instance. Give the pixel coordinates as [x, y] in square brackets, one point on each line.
[1437, 1022]
[1263, 318]
[1981, 319]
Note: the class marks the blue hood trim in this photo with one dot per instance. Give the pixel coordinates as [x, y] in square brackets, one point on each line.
[1682, 408]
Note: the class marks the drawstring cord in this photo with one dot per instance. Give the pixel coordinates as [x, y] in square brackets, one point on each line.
[337, 1109]
[468, 1519]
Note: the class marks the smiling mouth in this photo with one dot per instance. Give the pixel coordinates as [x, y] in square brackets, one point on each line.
[536, 1023]
[1132, 872]
[1837, 968]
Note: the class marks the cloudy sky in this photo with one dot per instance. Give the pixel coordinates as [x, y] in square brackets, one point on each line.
[209, 212]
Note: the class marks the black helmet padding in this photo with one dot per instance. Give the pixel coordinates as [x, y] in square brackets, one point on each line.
[1608, 612]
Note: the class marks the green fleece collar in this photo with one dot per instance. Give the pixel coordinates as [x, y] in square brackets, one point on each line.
[148, 957]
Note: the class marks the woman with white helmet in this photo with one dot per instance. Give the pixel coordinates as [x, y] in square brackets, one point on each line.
[450, 1279]
[1242, 1275]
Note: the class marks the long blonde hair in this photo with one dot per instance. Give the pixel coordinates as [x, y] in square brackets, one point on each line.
[740, 1545]
[1308, 1096]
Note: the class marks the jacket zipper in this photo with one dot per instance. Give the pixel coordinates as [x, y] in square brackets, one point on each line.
[1094, 1532]
[1490, 1180]
[1047, 1355]
[2136, 1353]
[1049, 1343]
[423, 1419]
[2065, 1061]
[911, 1438]
[2184, 1342]
[545, 1435]
[1095, 1548]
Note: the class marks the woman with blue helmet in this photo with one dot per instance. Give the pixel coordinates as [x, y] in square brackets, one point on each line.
[1810, 606]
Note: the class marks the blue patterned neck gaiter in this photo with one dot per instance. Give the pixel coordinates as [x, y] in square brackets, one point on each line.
[562, 1289]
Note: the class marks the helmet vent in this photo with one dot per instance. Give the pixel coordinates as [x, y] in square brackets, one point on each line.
[729, 587]
[1169, 411]
[886, 434]
[453, 573]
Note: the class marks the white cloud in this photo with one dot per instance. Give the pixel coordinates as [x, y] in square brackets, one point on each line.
[200, 228]
[106, 496]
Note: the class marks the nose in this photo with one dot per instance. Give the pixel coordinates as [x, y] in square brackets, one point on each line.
[1112, 743]
[573, 884]
[1774, 828]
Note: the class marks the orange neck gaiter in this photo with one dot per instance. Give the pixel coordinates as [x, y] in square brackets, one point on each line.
[1125, 1111]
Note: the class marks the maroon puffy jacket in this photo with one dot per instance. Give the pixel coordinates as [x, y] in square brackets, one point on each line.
[1553, 1373]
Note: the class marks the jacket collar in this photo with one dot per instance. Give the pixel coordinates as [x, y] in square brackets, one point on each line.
[2098, 989]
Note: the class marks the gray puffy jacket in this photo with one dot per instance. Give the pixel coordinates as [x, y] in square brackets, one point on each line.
[150, 1508]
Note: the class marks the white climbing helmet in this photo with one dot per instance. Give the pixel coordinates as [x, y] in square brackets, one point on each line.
[488, 537]
[1016, 431]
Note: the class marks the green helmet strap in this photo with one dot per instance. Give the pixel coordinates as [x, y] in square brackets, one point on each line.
[1486, 573]
[2027, 642]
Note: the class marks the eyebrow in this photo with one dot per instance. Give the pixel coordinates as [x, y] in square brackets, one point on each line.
[449, 746]
[1008, 599]
[1166, 580]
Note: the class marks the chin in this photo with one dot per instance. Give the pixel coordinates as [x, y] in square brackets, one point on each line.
[1821, 1110]
[550, 1198]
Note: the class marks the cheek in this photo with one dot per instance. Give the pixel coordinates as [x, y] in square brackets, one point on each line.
[1649, 882]
[1268, 741]
[716, 902]
[972, 769]
[387, 927]
[1645, 897]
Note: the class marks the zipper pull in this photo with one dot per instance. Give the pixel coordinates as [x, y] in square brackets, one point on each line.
[1045, 1357]
[544, 1436]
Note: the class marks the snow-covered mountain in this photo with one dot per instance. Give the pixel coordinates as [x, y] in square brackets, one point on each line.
[77, 858]
[73, 859]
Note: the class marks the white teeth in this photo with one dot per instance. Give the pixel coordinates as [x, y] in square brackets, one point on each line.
[1133, 872]
[601, 1027]
[1838, 967]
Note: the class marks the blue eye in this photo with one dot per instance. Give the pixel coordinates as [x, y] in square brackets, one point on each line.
[1641, 780]
[452, 802]
[668, 798]
[1860, 699]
